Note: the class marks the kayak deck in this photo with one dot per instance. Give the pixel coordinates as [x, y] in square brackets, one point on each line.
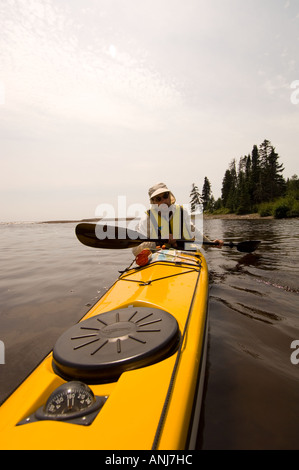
[145, 405]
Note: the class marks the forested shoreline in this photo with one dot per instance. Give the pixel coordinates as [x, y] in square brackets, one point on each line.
[254, 184]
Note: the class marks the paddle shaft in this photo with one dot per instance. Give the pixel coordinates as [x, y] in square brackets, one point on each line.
[230, 244]
[108, 237]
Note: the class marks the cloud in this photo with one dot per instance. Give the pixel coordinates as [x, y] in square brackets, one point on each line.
[101, 98]
[48, 65]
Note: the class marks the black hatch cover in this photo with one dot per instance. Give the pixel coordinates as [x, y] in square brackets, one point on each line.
[101, 348]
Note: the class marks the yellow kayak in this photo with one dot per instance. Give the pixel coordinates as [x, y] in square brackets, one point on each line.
[130, 375]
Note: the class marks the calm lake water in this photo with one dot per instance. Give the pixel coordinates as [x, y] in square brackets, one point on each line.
[48, 281]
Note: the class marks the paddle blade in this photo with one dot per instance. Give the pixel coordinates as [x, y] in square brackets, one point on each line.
[248, 246]
[109, 237]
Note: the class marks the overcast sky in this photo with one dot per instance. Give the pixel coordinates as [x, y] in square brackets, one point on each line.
[101, 98]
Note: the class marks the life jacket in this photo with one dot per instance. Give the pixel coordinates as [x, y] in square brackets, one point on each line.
[161, 225]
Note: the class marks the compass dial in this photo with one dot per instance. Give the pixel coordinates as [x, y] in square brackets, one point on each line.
[70, 400]
[73, 402]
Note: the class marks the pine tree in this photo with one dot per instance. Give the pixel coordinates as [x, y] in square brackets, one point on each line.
[243, 199]
[255, 183]
[229, 188]
[226, 188]
[259, 179]
[278, 184]
[195, 196]
[273, 183]
[206, 194]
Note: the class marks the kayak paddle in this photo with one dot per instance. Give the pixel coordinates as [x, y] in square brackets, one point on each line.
[103, 236]
[244, 247]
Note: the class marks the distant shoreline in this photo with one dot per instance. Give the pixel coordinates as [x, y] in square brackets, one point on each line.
[255, 216]
[82, 221]
[206, 217]
[95, 220]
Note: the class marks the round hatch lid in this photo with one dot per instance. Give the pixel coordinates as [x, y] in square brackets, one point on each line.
[101, 348]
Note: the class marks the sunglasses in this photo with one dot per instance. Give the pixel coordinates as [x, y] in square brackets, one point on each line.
[159, 198]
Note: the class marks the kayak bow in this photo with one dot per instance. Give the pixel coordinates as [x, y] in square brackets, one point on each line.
[129, 375]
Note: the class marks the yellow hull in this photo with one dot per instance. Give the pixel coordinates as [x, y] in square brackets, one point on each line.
[153, 406]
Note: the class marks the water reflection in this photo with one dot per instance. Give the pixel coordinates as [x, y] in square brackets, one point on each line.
[278, 252]
[252, 387]
[250, 260]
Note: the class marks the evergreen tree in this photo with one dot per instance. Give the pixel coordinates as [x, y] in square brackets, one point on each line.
[278, 184]
[217, 204]
[255, 183]
[206, 194]
[258, 179]
[243, 199]
[226, 188]
[229, 188]
[195, 197]
[273, 183]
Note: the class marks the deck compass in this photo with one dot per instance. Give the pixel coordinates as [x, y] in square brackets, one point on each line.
[72, 402]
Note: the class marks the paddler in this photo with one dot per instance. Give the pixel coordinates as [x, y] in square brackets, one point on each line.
[167, 220]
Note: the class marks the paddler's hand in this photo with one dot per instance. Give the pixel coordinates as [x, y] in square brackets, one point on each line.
[218, 243]
[172, 241]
